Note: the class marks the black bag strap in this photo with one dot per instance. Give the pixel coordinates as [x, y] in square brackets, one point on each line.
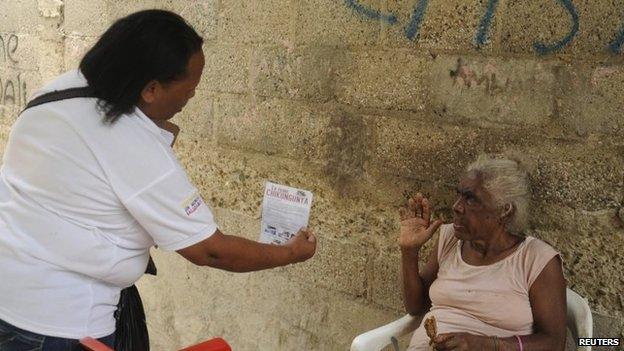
[60, 95]
[151, 267]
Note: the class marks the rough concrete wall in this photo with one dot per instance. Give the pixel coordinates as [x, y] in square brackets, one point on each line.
[362, 102]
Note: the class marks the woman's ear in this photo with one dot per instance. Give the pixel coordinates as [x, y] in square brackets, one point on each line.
[508, 211]
[148, 94]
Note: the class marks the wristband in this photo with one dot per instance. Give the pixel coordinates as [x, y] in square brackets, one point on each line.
[520, 343]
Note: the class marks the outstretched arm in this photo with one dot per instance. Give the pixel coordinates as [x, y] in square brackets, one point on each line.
[236, 254]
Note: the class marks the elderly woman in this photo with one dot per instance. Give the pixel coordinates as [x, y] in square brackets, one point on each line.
[488, 285]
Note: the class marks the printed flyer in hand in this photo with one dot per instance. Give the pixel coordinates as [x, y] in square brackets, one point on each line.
[285, 210]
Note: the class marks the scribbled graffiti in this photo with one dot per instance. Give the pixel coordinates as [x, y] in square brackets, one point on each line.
[482, 35]
[464, 76]
[13, 89]
[8, 47]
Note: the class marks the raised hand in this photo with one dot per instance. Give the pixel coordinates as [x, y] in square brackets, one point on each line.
[416, 226]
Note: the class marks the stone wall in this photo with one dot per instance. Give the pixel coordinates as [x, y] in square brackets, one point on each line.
[363, 102]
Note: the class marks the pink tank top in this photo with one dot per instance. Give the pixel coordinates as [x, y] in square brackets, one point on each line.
[483, 300]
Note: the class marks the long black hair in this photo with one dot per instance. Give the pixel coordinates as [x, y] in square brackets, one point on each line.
[144, 46]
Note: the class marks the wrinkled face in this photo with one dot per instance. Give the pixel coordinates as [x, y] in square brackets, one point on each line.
[474, 213]
[171, 97]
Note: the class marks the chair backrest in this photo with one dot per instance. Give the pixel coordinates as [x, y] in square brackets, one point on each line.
[580, 321]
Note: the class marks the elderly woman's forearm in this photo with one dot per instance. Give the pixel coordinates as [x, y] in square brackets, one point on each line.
[414, 294]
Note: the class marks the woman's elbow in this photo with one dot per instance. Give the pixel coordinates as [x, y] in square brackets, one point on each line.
[220, 263]
[413, 313]
[416, 306]
[203, 259]
[414, 309]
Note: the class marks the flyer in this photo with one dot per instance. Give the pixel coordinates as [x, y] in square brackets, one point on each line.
[285, 210]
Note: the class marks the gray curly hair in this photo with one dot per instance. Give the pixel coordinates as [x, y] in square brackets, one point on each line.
[507, 181]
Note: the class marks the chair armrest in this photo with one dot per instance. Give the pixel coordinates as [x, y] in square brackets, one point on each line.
[376, 339]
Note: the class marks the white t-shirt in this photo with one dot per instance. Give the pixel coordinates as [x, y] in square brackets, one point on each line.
[81, 203]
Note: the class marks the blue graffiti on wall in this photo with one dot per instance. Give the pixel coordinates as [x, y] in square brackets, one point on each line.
[484, 27]
[482, 35]
[543, 49]
[370, 13]
[616, 44]
[411, 31]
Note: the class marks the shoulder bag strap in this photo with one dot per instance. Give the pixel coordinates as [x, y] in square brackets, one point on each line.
[60, 95]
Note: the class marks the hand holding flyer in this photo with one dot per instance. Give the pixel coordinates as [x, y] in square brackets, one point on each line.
[285, 210]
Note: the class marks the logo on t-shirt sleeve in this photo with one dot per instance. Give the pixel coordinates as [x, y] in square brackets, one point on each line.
[192, 203]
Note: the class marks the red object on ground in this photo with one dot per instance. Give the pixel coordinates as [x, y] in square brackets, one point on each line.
[216, 344]
[91, 344]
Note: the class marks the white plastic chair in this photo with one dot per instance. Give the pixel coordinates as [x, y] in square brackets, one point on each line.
[579, 322]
